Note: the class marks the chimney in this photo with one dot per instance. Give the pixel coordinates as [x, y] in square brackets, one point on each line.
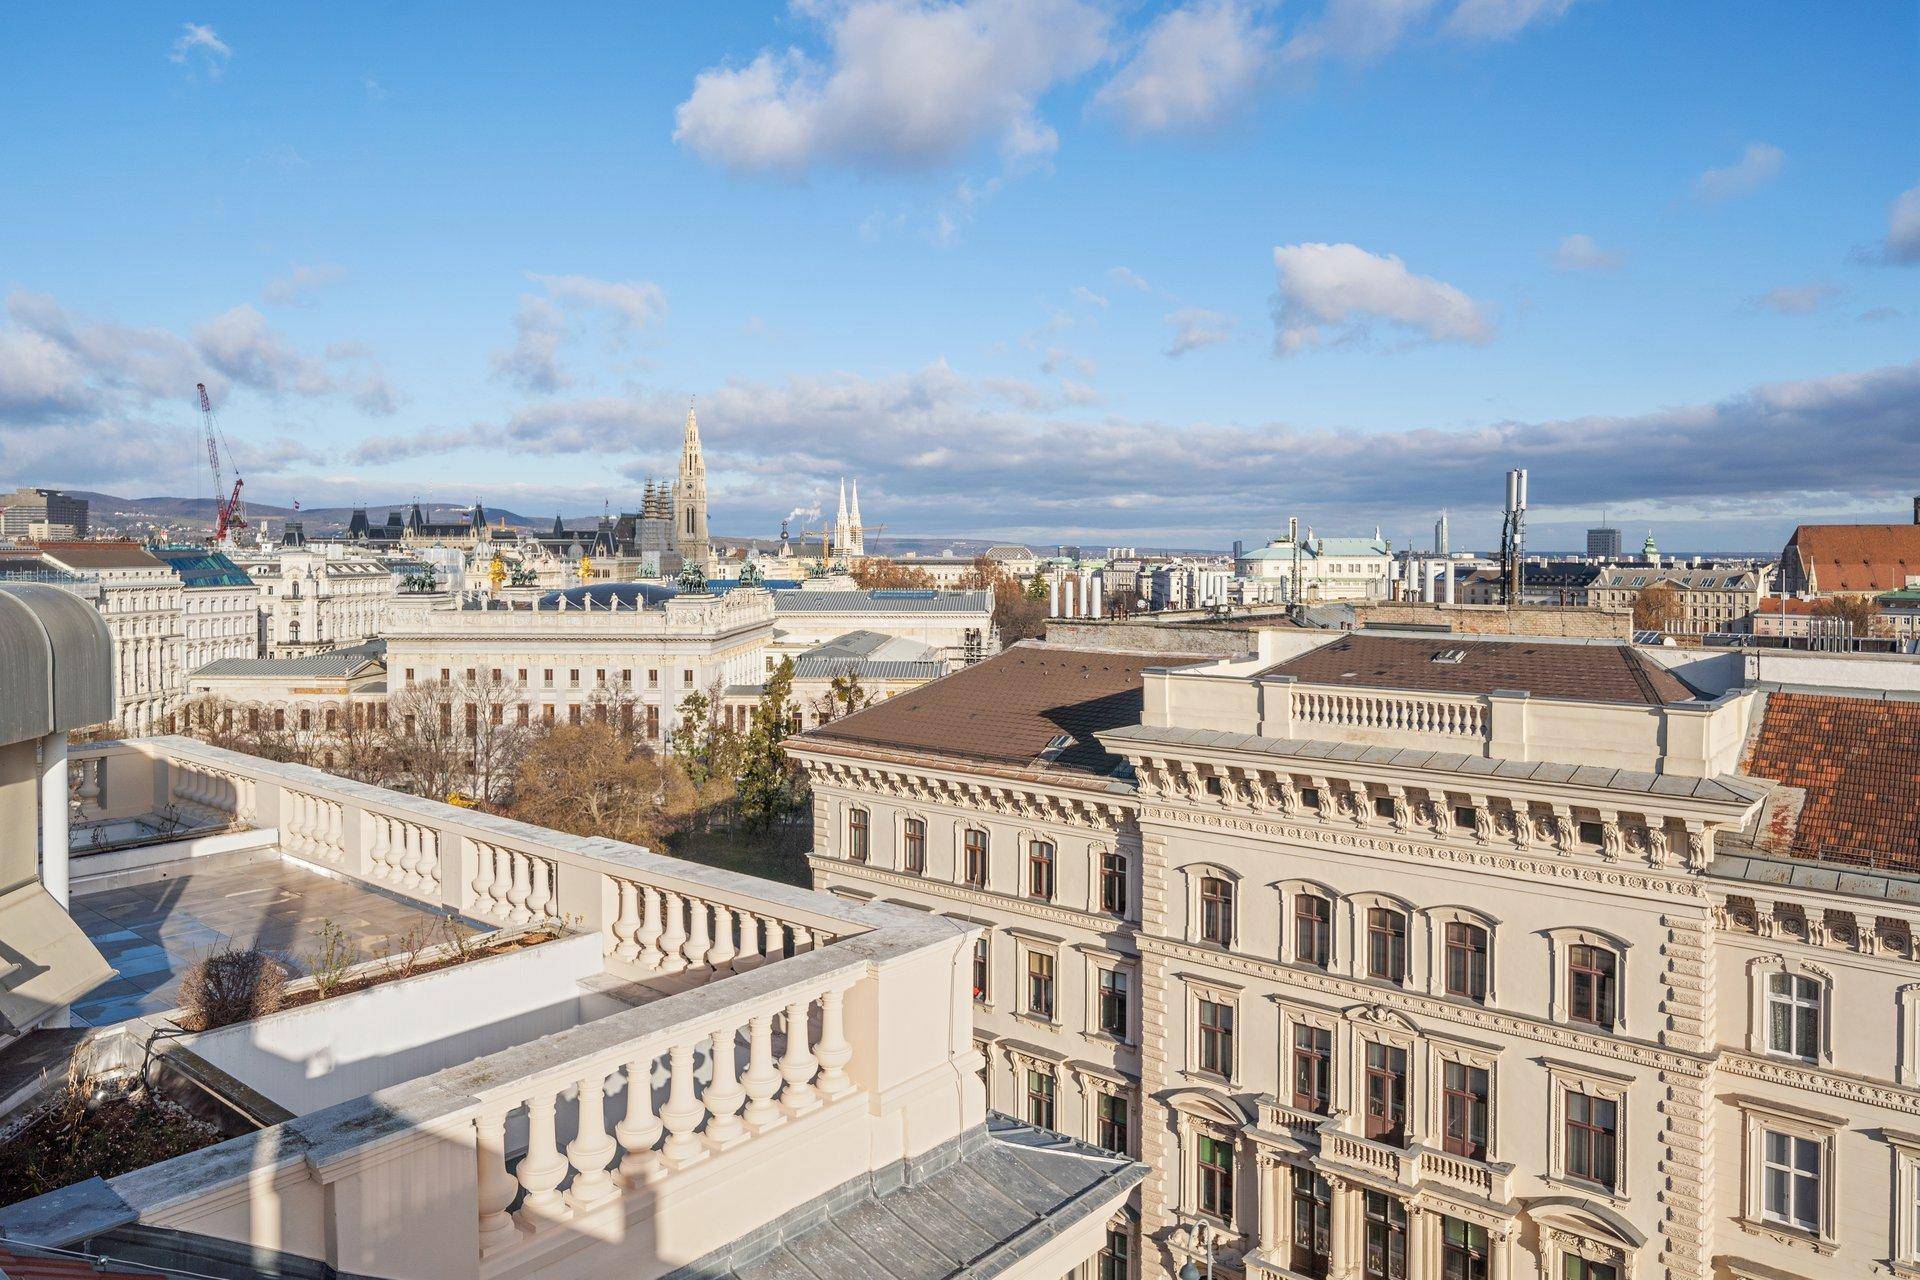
[1916, 508]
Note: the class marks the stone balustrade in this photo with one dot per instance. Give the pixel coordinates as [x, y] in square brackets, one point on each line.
[1454, 717]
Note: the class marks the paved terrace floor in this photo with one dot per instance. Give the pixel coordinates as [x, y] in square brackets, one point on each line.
[152, 933]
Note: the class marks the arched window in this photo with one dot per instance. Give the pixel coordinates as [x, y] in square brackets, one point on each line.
[1216, 911]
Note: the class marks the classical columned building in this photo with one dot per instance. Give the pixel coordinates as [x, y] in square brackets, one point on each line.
[144, 604]
[317, 597]
[1414, 955]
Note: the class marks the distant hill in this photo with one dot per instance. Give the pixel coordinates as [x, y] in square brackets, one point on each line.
[109, 510]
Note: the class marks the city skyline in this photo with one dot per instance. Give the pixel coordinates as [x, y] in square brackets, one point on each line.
[1084, 293]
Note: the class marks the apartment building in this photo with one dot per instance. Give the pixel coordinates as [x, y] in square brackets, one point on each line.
[144, 603]
[220, 618]
[1415, 955]
[1717, 599]
[317, 597]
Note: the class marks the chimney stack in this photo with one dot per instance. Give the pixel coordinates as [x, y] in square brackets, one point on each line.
[1916, 508]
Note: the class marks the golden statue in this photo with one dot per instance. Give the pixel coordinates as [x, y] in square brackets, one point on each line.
[586, 567]
[497, 572]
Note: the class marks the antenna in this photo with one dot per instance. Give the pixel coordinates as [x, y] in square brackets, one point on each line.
[1513, 536]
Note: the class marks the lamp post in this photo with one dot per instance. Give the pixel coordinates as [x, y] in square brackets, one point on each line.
[1202, 1233]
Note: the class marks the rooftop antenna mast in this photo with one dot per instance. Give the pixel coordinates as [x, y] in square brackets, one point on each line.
[1513, 536]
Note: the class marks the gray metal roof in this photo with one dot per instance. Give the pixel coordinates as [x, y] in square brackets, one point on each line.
[1723, 789]
[1826, 877]
[883, 601]
[980, 1216]
[334, 662]
[812, 667]
[56, 662]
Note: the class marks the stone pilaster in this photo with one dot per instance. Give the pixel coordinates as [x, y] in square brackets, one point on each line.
[1686, 1105]
[1159, 1010]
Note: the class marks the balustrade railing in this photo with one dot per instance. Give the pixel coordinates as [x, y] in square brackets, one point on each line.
[1448, 717]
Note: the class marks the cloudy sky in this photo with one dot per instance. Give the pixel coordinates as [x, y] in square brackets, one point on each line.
[1091, 270]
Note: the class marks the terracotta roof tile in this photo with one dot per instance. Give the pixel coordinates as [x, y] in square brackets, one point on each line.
[1010, 708]
[1858, 557]
[1590, 672]
[1858, 762]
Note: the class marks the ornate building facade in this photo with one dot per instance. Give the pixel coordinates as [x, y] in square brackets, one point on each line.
[1428, 956]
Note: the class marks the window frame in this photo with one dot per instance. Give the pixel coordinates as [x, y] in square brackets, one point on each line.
[1564, 1078]
[1758, 1119]
[966, 859]
[1440, 924]
[1761, 971]
[1040, 871]
[909, 863]
[859, 829]
[1560, 945]
[1221, 995]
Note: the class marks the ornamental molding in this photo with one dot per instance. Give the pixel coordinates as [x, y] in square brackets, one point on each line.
[1411, 1003]
[1510, 863]
[1799, 1075]
[1104, 925]
[1007, 798]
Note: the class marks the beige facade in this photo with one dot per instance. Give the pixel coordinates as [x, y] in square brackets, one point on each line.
[1424, 983]
[319, 597]
[1716, 600]
[144, 604]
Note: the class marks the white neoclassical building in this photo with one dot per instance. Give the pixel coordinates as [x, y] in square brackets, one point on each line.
[317, 596]
[1414, 955]
[144, 603]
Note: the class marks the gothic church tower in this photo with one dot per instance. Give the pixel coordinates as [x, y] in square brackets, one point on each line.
[690, 501]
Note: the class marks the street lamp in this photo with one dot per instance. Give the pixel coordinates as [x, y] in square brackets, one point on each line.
[1202, 1232]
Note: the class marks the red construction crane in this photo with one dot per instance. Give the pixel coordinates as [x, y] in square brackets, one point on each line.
[230, 514]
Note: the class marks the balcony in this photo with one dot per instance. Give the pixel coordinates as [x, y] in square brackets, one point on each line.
[681, 1066]
[1414, 1166]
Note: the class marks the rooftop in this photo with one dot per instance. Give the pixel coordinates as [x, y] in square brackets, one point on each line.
[1858, 557]
[1589, 672]
[79, 554]
[884, 600]
[1854, 762]
[1032, 706]
[333, 662]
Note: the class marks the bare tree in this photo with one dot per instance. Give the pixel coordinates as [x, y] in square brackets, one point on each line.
[1659, 608]
[592, 780]
[489, 716]
[433, 753]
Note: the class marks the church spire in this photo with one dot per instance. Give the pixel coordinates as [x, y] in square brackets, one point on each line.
[690, 499]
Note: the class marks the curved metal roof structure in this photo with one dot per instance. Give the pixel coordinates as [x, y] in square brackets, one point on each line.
[56, 662]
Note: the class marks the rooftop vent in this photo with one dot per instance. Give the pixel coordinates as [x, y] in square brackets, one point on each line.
[1450, 657]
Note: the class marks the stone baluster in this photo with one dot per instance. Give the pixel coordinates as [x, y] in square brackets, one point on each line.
[762, 1079]
[724, 1095]
[797, 1065]
[723, 950]
[521, 887]
[648, 936]
[500, 891]
[802, 939]
[482, 882]
[592, 1147]
[406, 867]
[674, 936]
[375, 845]
[698, 940]
[496, 1185]
[543, 1167]
[749, 941]
[540, 893]
[429, 860]
[834, 1051]
[626, 920]
[683, 1112]
[640, 1129]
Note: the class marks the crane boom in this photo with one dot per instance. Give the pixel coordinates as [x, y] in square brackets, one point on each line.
[228, 512]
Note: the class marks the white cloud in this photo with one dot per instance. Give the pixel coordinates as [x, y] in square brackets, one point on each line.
[1195, 327]
[1758, 165]
[298, 285]
[1332, 293]
[1356, 30]
[1193, 67]
[543, 324]
[1902, 244]
[905, 85]
[1129, 278]
[243, 346]
[1501, 19]
[1089, 297]
[198, 48]
[376, 92]
[1797, 299]
[1580, 252]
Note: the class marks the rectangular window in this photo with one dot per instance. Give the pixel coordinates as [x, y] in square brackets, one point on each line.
[1385, 1255]
[1386, 944]
[1463, 817]
[1386, 1094]
[1312, 1235]
[1216, 911]
[1592, 1128]
[914, 853]
[523, 675]
[1113, 884]
[1116, 1256]
[1216, 1038]
[1790, 1180]
[1312, 1068]
[1040, 1099]
[1466, 961]
[1793, 1016]
[1040, 984]
[653, 678]
[686, 679]
[1215, 1157]
[1112, 1122]
[1312, 930]
[981, 952]
[1463, 1100]
[1113, 1002]
[1040, 870]
[1590, 984]
[857, 835]
[1463, 1250]
[1577, 1268]
[547, 676]
[653, 722]
[974, 867]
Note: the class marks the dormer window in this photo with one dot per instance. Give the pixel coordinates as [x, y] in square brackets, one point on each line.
[1450, 657]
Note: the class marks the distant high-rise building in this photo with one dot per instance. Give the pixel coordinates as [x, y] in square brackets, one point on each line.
[23, 508]
[1604, 543]
[1440, 536]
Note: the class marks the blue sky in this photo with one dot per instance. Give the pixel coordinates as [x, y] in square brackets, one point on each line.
[1102, 272]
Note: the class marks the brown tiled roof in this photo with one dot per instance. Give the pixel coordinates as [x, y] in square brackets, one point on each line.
[1591, 672]
[1858, 557]
[100, 555]
[1858, 762]
[1010, 708]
